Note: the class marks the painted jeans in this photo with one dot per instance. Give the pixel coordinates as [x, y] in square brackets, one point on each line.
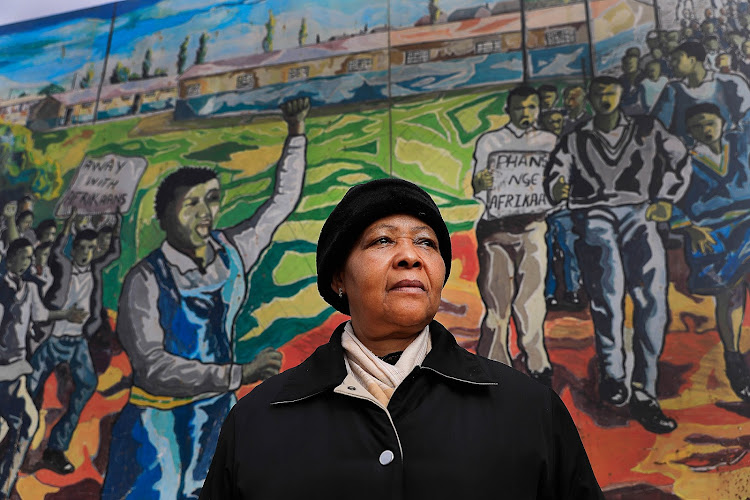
[623, 253]
[75, 352]
[560, 231]
[165, 454]
[18, 410]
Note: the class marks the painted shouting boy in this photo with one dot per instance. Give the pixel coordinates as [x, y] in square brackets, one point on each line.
[606, 169]
[510, 245]
[76, 281]
[176, 322]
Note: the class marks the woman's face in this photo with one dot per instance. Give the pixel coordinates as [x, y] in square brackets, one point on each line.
[393, 278]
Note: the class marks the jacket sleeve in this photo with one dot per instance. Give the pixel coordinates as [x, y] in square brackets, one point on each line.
[574, 477]
[112, 253]
[60, 267]
[560, 164]
[155, 369]
[253, 235]
[664, 106]
[676, 177]
[738, 97]
[221, 478]
[39, 312]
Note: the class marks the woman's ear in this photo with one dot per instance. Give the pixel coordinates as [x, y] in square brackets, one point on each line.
[337, 282]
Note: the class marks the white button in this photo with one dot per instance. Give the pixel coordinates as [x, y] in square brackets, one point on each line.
[386, 457]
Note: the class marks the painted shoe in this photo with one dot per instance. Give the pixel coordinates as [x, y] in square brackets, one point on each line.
[648, 413]
[56, 461]
[738, 374]
[543, 377]
[613, 391]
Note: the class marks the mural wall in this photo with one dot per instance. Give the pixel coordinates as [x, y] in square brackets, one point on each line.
[167, 167]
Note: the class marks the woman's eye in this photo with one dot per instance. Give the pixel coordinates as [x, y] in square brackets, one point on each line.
[383, 240]
[428, 243]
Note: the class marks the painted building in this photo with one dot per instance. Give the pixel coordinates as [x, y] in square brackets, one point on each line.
[422, 58]
[128, 98]
[17, 110]
[431, 92]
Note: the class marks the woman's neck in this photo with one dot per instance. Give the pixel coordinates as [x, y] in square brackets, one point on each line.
[383, 343]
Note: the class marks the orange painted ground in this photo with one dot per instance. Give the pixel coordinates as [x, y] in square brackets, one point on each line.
[706, 458]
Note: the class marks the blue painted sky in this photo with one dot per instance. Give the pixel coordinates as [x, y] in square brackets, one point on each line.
[60, 48]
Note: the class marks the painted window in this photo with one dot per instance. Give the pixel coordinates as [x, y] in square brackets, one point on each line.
[488, 47]
[560, 36]
[193, 90]
[301, 73]
[360, 64]
[417, 56]
[245, 81]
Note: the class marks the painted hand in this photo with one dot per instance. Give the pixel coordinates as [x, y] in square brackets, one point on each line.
[76, 315]
[560, 190]
[482, 181]
[10, 209]
[266, 364]
[661, 211]
[294, 112]
[700, 239]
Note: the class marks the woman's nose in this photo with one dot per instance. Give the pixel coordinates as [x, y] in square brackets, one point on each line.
[407, 255]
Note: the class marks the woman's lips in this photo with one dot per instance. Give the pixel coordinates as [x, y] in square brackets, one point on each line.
[407, 285]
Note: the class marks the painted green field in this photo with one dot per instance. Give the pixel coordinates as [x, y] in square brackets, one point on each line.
[429, 141]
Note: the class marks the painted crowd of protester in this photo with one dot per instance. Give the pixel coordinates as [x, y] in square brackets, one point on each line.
[652, 156]
[51, 306]
[656, 152]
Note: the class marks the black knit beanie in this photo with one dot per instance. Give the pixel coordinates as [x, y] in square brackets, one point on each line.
[362, 205]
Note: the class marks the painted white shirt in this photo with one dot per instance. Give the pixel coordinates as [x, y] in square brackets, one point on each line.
[511, 140]
[79, 294]
[29, 308]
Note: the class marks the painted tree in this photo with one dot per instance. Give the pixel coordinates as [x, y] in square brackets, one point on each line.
[200, 54]
[434, 12]
[50, 89]
[302, 37]
[270, 26]
[88, 77]
[25, 167]
[120, 73]
[146, 65]
[182, 56]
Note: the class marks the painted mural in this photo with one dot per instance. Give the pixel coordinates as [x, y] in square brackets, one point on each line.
[167, 166]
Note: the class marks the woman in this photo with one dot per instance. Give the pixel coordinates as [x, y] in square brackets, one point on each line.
[391, 407]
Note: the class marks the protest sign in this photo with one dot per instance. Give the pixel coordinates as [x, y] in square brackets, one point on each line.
[102, 185]
[517, 187]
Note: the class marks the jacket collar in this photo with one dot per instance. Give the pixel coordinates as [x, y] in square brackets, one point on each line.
[518, 131]
[182, 262]
[622, 121]
[325, 368]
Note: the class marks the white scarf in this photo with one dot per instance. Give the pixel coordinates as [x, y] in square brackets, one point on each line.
[378, 377]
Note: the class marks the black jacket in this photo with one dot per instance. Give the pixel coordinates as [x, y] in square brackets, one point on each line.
[460, 426]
